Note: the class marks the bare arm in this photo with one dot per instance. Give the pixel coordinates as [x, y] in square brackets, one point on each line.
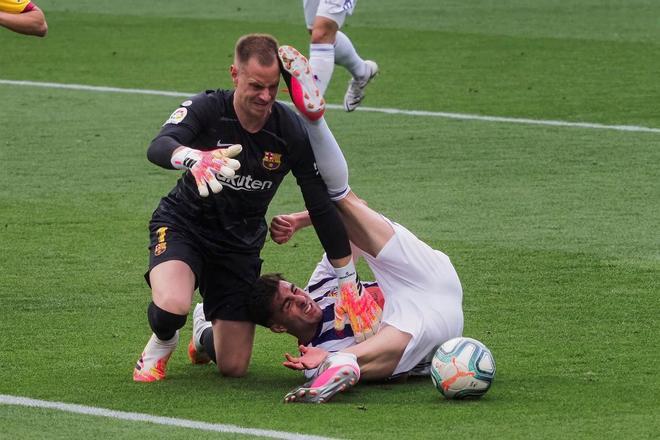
[28, 23]
[283, 227]
[377, 357]
[367, 229]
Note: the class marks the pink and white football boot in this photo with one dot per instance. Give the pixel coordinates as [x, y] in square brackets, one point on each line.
[300, 81]
[334, 377]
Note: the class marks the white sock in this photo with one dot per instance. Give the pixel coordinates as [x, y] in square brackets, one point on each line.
[347, 56]
[338, 359]
[322, 61]
[342, 358]
[329, 158]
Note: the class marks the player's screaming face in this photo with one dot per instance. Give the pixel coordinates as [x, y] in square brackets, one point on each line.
[293, 309]
[256, 87]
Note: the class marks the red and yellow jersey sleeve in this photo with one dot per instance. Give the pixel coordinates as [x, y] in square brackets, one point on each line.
[15, 6]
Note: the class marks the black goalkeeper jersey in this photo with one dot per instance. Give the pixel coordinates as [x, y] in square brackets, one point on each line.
[234, 219]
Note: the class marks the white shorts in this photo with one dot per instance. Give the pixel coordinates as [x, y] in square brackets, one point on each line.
[335, 10]
[423, 295]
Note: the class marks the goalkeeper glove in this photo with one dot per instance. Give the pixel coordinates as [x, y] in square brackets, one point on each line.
[204, 165]
[355, 305]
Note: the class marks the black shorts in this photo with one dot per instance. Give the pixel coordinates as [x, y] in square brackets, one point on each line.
[224, 279]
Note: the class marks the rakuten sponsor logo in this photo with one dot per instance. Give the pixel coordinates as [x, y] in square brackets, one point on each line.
[245, 183]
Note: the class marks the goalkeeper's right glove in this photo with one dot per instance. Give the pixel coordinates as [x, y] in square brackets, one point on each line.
[204, 165]
[360, 309]
[355, 305]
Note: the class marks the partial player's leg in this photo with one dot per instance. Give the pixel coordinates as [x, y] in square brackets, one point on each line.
[330, 160]
[226, 286]
[330, 46]
[356, 87]
[370, 231]
[366, 228]
[323, 20]
[362, 71]
[233, 341]
[303, 89]
[196, 352]
[347, 57]
[322, 50]
[227, 343]
[173, 284]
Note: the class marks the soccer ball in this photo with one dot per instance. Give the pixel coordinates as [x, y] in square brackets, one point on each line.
[462, 368]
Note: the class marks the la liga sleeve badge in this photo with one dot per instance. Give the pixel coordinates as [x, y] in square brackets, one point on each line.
[177, 116]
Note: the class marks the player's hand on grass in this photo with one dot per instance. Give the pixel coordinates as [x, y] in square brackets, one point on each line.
[282, 228]
[356, 306]
[204, 165]
[310, 358]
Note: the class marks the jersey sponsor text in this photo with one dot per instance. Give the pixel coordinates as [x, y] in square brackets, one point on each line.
[245, 183]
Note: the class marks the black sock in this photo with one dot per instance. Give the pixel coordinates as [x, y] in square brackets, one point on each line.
[207, 342]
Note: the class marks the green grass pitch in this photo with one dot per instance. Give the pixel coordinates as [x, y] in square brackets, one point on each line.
[554, 231]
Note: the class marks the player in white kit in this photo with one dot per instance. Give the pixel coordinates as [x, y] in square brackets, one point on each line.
[422, 306]
[330, 46]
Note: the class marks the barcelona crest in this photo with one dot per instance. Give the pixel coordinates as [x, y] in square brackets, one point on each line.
[271, 161]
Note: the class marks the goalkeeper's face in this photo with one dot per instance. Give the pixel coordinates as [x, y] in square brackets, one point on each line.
[293, 310]
[256, 87]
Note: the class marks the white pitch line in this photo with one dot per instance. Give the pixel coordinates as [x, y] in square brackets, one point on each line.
[395, 111]
[138, 417]
[469, 117]
[50, 85]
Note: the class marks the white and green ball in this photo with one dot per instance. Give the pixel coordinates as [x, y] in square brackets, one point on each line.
[463, 368]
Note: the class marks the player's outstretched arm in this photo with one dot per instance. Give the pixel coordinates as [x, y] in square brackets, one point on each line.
[32, 22]
[377, 357]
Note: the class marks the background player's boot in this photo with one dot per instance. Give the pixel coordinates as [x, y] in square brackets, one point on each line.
[299, 79]
[153, 362]
[334, 378]
[196, 352]
[355, 93]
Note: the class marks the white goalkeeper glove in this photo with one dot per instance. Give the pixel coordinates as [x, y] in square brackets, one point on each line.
[204, 165]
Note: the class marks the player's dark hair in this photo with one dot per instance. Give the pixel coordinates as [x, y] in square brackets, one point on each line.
[260, 302]
[261, 46]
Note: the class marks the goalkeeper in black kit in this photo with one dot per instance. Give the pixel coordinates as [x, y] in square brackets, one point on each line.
[235, 147]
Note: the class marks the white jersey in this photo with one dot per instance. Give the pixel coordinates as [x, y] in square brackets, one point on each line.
[322, 288]
[422, 292]
[335, 10]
